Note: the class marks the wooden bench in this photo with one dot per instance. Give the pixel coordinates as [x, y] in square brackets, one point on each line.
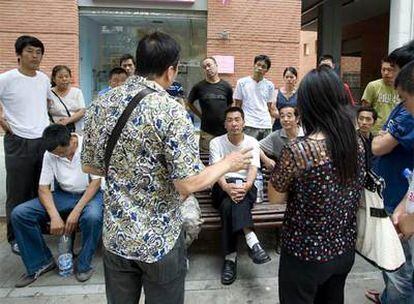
[265, 214]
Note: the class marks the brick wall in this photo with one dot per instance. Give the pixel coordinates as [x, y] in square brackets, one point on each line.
[255, 27]
[54, 22]
[308, 52]
[374, 36]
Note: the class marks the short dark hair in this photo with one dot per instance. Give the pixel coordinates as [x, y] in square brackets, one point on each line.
[54, 136]
[56, 70]
[264, 58]
[24, 41]
[116, 71]
[405, 78]
[402, 55]
[368, 109]
[286, 105]
[385, 59]
[208, 57]
[292, 70]
[232, 110]
[326, 57]
[126, 57]
[156, 53]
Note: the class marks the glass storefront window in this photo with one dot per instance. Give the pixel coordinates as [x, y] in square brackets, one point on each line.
[107, 34]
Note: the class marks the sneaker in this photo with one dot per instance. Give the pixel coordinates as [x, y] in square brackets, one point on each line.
[26, 279]
[84, 276]
[15, 248]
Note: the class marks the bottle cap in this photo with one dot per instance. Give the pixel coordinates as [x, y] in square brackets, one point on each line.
[407, 173]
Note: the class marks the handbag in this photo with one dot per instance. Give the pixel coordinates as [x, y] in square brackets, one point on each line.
[71, 127]
[377, 240]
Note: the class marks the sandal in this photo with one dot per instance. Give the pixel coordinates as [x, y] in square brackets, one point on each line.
[373, 295]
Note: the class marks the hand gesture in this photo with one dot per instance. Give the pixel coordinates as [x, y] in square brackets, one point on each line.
[236, 193]
[239, 160]
[72, 221]
[57, 226]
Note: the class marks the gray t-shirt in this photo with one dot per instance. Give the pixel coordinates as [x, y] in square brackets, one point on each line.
[273, 143]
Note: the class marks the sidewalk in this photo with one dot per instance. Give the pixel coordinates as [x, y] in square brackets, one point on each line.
[255, 283]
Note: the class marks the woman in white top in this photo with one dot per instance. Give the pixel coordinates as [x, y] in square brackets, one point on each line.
[68, 105]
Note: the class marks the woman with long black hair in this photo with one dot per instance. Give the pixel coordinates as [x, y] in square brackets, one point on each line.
[320, 177]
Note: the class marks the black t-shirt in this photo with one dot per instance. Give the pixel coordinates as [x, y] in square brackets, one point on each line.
[214, 98]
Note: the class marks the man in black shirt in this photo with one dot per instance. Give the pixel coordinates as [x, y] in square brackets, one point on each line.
[214, 96]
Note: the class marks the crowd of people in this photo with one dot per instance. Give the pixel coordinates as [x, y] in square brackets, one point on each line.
[315, 139]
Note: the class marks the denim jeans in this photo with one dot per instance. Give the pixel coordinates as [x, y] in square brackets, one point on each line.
[399, 285]
[29, 218]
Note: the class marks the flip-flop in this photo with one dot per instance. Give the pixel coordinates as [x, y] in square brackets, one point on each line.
[373, 295]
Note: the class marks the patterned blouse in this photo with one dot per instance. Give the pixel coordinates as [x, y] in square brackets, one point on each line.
[142, 218]
[320, 218]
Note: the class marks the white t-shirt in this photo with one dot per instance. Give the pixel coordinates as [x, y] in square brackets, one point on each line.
[255, 97]
[221, 146]
[68, 173]
[74, 101]
[24, 101]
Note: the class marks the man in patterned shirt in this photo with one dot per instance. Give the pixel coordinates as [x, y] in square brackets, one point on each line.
[154, 165]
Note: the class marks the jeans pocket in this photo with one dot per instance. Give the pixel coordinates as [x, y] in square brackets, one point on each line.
[171, 266]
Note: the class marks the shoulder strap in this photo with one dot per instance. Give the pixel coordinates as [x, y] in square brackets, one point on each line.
[61, 101]
[116, 132]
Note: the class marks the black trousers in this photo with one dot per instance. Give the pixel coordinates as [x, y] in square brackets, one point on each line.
[163, 281]
[23, 158]
[234, 217]
[302, 282]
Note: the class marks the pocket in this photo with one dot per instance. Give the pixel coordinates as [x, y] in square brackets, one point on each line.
[171, 266]
[13, 145]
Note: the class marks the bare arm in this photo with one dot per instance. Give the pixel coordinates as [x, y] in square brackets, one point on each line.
[232, 162]
[92, 170]
[383, 144]
[46, 199]
[268, 162]
[274, 113]
[77, 115]
[73, 218]
[194, 109]
[3, 122]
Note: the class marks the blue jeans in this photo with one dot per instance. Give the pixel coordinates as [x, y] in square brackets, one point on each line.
[399, 285]
[29, 218]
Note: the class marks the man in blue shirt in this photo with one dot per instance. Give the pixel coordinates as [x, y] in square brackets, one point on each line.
[394, 147]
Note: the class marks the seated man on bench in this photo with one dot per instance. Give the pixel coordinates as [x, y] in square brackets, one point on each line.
[235, 193]
[76, 195]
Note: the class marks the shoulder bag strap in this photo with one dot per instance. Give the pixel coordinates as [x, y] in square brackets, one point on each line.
[61, 101]
[116, 132]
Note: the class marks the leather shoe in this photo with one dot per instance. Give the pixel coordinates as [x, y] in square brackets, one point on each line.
[229, 272]
[258, 255]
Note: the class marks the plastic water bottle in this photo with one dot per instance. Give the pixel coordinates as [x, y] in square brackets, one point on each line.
[410, 195]
[65, 259]
[259, 186]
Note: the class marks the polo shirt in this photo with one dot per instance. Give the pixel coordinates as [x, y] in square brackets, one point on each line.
[68, 173]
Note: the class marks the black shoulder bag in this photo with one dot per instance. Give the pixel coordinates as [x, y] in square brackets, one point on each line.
[120, 124]
[71, 127]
